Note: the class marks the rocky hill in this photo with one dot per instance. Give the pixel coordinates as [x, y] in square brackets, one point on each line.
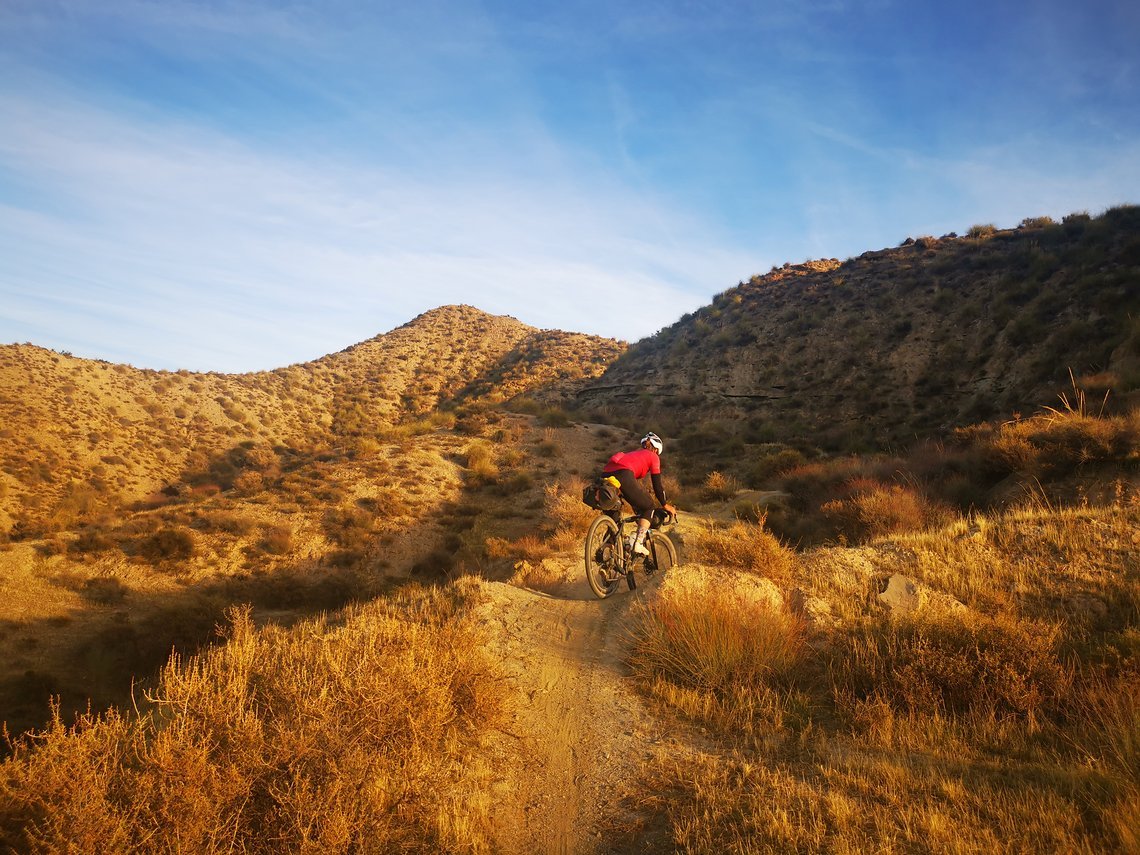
[78, 435]
[896, 343]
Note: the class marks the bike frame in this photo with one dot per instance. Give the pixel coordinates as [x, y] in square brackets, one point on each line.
[607, 555]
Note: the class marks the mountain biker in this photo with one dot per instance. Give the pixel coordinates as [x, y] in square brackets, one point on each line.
[627, 468]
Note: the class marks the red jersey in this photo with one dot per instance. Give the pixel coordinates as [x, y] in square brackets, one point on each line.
[640, 462]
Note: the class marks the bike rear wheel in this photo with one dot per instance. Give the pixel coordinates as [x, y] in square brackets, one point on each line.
[604, 568]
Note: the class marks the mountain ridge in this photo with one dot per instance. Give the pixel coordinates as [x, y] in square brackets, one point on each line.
[94, 432]
[898, 343]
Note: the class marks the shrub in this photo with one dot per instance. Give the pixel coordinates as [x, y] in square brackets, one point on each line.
[264, 744]
[718, 487]
[481, 466]
[954, 665]
[167, 544]
[278, 540]
[877, 510]
[719, 658]
[565, 508]
[982, 230]
[90, 540]
[746, 546]
[773, 465]
[554, 417]
[351, 528]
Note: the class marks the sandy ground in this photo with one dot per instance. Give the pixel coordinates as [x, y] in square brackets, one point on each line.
[580, 733]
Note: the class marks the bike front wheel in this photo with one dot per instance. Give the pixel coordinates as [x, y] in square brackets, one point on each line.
[662, 552]
[603, 557]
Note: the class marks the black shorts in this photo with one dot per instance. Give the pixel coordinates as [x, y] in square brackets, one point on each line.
[633, 493]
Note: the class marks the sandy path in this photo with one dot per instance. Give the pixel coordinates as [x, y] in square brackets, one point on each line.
[580, 732]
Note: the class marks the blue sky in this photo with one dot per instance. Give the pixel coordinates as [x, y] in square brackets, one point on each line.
[237, 186]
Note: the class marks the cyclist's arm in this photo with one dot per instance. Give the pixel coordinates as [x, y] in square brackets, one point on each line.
[658, 487]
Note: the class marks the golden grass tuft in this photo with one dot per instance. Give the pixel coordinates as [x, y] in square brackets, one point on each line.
[746, 546]
[352, 736]
[718, 487]
[717, 656]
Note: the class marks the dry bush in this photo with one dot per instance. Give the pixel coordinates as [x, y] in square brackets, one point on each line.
[877, 510]
[278, 540]
[953, 665]
[862, 802]
[565, 508]
[167, 544]
[481, 466]
[91, 540]
[718, 487]
[325, 738]
[350, 528]
[1109, 713]
[228, 522]
[527, 548]
[772, 465]
[746, 546]
[249, 482]
[718, 657]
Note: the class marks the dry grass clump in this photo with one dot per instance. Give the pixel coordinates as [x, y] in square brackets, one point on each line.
[718, 657]
[481, 466]
[167, 544]
[1057, 443]
[744, 545]
[353, 737]
[864, 802]
[1012, 725]
[872, 509]
[953, 664]
[719, 487]
[529, 547]
[566, 514]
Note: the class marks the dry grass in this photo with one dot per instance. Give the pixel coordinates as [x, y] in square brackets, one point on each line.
[355, 736]
[719, 487]
[720, 657]
[1010, 726]
[744, 545]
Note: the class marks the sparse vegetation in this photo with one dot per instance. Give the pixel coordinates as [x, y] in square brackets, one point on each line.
[331, 738]
[892, 438]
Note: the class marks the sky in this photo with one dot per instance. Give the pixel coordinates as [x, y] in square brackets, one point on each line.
[240, 185]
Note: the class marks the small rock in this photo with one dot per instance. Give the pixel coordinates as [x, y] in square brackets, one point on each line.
[904, 595]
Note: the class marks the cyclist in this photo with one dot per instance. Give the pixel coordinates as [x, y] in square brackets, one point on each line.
[625, 469]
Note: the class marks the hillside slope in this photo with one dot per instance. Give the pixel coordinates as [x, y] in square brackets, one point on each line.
[899, 342]
[77, 435]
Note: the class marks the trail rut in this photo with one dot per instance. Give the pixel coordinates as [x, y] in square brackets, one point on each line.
[580, 732]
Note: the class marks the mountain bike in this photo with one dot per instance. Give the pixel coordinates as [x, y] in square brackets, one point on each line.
[608, 556]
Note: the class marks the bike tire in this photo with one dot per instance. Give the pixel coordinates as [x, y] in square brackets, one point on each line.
[603, 557]
[662, 552]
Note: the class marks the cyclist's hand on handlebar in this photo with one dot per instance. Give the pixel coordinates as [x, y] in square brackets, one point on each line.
[671, 509]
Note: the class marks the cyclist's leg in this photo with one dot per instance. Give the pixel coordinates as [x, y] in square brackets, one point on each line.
[639, 500]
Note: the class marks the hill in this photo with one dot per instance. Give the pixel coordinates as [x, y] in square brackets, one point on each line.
[364, 577]
[81, 436]
[895, 344]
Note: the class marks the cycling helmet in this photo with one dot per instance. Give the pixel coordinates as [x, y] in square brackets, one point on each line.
[652, 440]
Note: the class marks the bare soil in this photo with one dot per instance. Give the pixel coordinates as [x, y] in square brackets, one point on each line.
[580, 732]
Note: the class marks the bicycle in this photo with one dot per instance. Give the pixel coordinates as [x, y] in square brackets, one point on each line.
[609, 559]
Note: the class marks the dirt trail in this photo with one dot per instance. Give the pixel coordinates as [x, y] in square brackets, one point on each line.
[580, 732]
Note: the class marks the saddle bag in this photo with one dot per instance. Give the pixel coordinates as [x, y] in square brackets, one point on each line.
[602, 495]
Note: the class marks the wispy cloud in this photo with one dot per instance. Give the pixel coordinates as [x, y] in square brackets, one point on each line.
[205, 251]
[239, 185]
